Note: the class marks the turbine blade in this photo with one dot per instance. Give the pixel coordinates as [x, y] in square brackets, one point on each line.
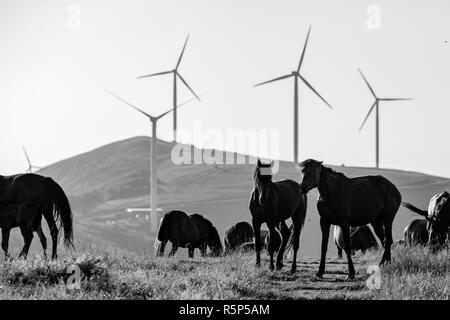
[182, 52]
[395, 99]
[367, 82]
[26, 155]
[314, 90]
[181, 104]
[368, 114]
[304, 49]
[185, 83]
[126, 102]
[154, 74]
[276, 79]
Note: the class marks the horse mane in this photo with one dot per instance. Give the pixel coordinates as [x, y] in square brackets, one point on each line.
[201, 218]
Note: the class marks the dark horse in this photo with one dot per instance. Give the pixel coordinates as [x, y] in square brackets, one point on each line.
[438, 218]
[347, 202]
[237, 235]
[47, 196]
[272, 203]
[416, 233]
[27, 217]
[361, 238]
[194, 231]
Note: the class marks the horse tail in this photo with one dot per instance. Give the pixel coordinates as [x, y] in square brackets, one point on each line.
[61, 210]
[163, 231]
[415, 209]
[303, 213]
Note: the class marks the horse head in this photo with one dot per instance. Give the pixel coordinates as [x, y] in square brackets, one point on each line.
[263, 179]
[214, 242]
[311, 171]
[438, 220]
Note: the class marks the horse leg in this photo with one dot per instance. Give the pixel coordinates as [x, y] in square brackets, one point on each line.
[203, 250]
[48, 215]
[348, 252]
[27, 234]
[191, 252]
[160, 248]
[339, 252]
[272, 241]
[174, 249]
[257, 231]
[325, 227]
[43, 239]
[297, 228]
[5, 241]
[285, 233]
[387, 245]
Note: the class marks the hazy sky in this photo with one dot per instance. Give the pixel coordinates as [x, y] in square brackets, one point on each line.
[53, 75]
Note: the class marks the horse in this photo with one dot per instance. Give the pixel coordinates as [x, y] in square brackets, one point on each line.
[273, 203]
[47, 196]
[27, 217]
[416, 233]
[351, 202]
[237, 235]
[187, 231]
[361, 238]
[437, 217]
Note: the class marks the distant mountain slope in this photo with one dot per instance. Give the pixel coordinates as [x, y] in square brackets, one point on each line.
[102, 183]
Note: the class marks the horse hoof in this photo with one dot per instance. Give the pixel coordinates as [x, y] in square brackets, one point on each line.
[293, 270]
[271, 267]
[279, 266]
[319, 275]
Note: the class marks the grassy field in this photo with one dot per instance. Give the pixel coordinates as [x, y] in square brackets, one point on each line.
[415, 273]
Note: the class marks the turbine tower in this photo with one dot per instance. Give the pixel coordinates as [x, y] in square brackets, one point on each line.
[176, 75]
[153, 160]
[377, 118]
[296, 75]
[30, 166]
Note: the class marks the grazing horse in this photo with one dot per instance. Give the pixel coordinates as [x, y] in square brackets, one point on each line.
[272, 203]
[47, 196]
[351, 202]
[237, 235]
[437, 216]
[194, 231]
[28, 218]
[361, 238]
[416, 233]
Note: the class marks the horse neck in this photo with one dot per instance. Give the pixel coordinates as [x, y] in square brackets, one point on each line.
[328, 184]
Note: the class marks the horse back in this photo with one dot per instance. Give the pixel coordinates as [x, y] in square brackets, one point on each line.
[373, 195]
[290, 197]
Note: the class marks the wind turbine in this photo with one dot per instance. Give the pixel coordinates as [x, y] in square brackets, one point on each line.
[176, 75]
[377, 116]
[153, 167]
[30, 166]
[296, 75]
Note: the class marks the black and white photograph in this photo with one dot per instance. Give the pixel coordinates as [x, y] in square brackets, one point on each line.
[242, 152]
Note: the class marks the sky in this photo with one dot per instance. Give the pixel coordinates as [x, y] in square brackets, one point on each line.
[57, 58]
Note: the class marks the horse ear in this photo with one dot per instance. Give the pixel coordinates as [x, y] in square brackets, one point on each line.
[259, 163]
[320, 162]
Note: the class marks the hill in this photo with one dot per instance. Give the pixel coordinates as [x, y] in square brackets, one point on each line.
[102, 183]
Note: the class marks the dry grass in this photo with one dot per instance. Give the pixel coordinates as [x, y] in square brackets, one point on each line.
[415, 273]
